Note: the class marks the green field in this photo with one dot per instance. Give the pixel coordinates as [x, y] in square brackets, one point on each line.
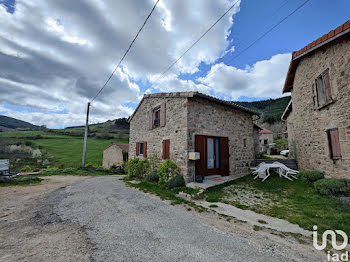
[63, 149]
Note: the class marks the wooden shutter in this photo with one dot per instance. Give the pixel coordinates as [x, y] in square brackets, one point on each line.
[200, 147]
[327, 85]
[150, 119]
[166, 149]
[145, 149]
[162, 115]
[334, 144]
[224, 156]
[137, 149]
[314, 95]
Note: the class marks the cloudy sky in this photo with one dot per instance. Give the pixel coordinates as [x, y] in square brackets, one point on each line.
[56, 55]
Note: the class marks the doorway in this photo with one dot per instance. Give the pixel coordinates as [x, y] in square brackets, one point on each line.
[214, 155]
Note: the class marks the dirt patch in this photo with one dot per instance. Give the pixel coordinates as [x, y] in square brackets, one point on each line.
[31, 231]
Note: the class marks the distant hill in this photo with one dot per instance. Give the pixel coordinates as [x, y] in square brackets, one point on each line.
[271, 109]
[110, 125]
[9, 123]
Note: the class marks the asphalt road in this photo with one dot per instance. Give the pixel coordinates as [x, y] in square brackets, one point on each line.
[124, 224]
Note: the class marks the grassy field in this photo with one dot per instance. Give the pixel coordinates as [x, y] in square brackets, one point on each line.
[65, 150]
[295, 201]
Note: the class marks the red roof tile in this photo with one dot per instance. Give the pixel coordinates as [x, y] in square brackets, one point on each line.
[124, 147]
[265, 131]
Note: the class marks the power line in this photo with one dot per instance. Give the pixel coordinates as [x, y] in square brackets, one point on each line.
[195, 42]
[261, 37]
[109, 78]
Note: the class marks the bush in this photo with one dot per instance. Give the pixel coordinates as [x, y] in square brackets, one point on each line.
[310, 176]
[177, 181]
[333, 187]
[152, 177]
[167, 170]
[136, 168]
[28, 143]
[26, 169]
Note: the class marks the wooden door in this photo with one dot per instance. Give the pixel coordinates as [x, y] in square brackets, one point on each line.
[213, 155]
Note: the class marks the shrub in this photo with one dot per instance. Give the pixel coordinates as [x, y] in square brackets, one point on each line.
[26, 169]
[152, 177]
[154, 162]
[310, 176]
[28, 143]
[167, 170]
[333, 186]
[177, 181]
[136, 168]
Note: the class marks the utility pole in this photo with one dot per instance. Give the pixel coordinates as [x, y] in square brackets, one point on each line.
[86, 134]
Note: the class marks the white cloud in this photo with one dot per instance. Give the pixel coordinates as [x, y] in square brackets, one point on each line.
[57, 54]
[263, 79]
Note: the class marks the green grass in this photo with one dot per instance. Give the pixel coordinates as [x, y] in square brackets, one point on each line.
[294, 201]
[22, 181]
[66, 150]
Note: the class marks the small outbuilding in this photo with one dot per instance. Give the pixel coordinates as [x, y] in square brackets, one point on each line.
[115, 154]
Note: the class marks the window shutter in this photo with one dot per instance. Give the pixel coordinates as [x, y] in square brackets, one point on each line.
[327, 85]
[200, 147]
[162, 115]
[167, 149]
[334, 137]
[163, 149]
[137, 148]
[224, 156]
[145, 149]
[150, 119]
[314, 95]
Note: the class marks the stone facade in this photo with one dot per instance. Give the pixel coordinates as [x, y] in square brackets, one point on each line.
[263, 147]
[189, 116]
[112, 155]
[307, 126]
[210, 119]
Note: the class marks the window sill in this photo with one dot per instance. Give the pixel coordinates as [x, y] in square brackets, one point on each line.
[332, 101]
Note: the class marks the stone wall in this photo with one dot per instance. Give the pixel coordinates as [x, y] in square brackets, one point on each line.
[262, 146]
[113, 155]
[175, 129]
[307, 126]
[208, 118]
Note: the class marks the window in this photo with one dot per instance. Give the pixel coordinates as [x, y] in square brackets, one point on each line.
[245, 142]
[141, 149]
[166, 149]
[156, 117]
[333, 143]
[265, 141]
[321, 90]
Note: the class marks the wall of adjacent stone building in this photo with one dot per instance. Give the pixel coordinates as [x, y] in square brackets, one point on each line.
[175, 129]
[113, 155]
[307, 126]
[262, 137]
[208, 118]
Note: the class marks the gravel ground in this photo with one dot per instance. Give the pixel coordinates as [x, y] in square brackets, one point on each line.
[124, 224]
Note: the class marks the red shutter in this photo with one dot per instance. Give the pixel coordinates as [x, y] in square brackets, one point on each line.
[144, 149]
[166, 149]
[314, 95]
[137, 148]
[162, 115]
[335, 145]
[200, 147]
[224, 156]
[327, 85]
[150, 119]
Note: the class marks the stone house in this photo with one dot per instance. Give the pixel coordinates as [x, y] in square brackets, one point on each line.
[202, 134]
[265, 139]
[115, 154]
[318, 116]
